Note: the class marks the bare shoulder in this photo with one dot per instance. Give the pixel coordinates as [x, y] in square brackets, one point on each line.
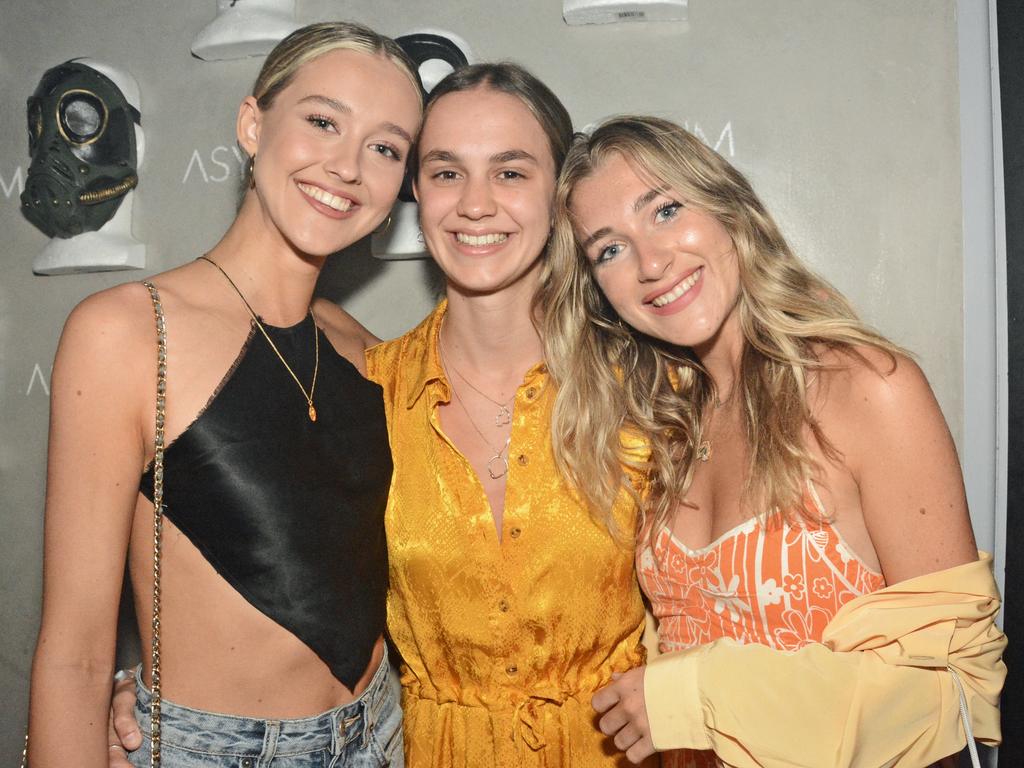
[112, 322]
[869, 401]
[348, 336]
[879, 412]
[106, 360]
[870, 383]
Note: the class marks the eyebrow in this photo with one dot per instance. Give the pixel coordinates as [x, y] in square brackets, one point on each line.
[334, 104]
[508, 156]
[644, 200]
[511, 155]
[602, 232]
[440, 156]
[641, 202]
[345, 109]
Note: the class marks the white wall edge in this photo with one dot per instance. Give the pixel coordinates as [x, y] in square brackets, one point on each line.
[1001, 320]
[984, 242]
[979, 178]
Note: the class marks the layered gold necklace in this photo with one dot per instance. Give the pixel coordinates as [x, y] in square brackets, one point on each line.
[497, 465]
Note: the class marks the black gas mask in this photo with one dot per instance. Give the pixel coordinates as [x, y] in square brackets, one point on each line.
[422, 47]
[81, 137]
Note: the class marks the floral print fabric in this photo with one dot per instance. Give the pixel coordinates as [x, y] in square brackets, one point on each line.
[775, 581]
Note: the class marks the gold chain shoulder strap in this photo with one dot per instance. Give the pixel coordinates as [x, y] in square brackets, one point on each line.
[158, 516]
[158, 523]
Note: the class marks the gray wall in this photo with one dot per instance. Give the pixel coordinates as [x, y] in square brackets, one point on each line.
[845, 114]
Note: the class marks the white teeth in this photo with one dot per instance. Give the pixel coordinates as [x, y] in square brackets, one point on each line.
[679, 290]
[491, 239]
[332, 201]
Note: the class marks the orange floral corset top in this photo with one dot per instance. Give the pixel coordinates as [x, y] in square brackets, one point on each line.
[776, 582]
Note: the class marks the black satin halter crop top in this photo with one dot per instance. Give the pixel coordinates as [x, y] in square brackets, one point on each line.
[290, 511]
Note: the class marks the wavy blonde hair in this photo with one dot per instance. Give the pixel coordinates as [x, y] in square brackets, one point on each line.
[615, 382]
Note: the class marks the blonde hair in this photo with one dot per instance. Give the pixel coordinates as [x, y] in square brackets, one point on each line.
[613, 381]
[312, 41]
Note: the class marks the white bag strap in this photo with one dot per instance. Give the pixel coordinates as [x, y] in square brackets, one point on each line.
[965, 716]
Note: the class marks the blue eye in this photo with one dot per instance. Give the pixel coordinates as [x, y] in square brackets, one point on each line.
[608, 253]
[667, 211]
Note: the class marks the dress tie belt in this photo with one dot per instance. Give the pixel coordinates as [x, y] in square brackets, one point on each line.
[528, 719]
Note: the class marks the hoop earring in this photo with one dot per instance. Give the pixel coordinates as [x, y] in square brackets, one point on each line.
[251, 170]
[384, 226]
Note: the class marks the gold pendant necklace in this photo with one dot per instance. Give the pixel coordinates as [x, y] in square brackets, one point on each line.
[316, 344]
[504, 415]
[497, 465]
[704, 450]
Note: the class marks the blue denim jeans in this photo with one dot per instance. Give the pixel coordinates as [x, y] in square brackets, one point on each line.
[365, 733]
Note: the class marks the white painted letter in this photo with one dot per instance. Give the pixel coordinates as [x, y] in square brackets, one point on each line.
[37, 373]
[726, 130]
[195, 160]
[17, 183]
[220, 164]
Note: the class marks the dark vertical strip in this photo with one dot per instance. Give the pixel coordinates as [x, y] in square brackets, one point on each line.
[1010, 20]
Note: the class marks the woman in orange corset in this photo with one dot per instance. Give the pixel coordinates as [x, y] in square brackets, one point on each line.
[799, 463]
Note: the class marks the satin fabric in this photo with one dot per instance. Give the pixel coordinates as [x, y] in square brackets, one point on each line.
[503, 639]
[290, 512]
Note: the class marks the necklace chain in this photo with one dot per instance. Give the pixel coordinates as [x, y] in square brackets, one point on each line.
[497, 465]
[504, 415]
[703, 452]
[273, 346]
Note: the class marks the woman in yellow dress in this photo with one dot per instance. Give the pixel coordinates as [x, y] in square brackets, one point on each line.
[509, 604]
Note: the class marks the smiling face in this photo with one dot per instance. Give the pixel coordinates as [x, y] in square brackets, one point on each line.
[668, 270]
[485, 187]
[331, 149]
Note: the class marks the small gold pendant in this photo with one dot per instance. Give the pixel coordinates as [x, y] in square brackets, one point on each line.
[312, 412]
[504, 417]
[704, 450]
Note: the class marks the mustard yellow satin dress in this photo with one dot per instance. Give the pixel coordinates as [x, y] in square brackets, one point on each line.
[502, 642]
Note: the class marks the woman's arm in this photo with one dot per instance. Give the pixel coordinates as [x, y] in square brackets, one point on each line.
[103, 371]
[895, 443]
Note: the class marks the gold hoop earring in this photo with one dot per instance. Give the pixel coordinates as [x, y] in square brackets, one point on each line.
[251, 170]
[384, 226]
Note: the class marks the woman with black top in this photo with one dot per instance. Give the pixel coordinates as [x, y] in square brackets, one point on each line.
[277, 463]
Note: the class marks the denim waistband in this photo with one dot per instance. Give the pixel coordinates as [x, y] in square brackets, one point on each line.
[216, 733]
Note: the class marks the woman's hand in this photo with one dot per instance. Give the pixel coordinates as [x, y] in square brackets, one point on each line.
[625, 714]
[124, 735]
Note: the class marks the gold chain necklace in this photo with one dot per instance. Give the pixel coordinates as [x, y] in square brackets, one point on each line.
[504, 415]
[497, 465]
[273, 346]
[703, 452]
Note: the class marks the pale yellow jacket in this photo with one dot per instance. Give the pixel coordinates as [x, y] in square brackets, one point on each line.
[879, 690]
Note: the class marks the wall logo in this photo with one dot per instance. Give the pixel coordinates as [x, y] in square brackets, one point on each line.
[38, 381]
[723, 145]
[14, 184]
[216, 166]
